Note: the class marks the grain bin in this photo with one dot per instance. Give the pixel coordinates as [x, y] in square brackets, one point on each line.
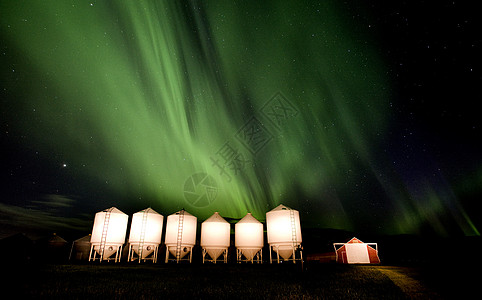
[108, 235]
[249, 239]
[80, 248]
[180, 235]
[145, 235]
[284, 233]
[215, 238]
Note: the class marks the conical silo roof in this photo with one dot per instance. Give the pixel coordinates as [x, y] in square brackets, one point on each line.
[114, 210]
[216, 217]
[182, 211]
[149, 211]
[54, 238]
[281, 207]
[84, 239]
[248, 219]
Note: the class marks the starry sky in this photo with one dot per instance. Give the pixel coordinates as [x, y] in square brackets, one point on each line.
[359, 114]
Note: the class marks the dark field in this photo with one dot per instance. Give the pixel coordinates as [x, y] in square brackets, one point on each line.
[232, 281]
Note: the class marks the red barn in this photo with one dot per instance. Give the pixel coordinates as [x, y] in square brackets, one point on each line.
[356, 252]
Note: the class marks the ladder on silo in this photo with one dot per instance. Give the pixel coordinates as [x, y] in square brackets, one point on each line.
[142, 235]
[294, 238]
[180, 228]
[103, 238]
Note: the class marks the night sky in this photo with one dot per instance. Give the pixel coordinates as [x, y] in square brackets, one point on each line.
[360, 114]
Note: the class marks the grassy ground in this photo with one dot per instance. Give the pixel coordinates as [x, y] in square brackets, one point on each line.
[412, 268]
[444, 280]
[145, 281]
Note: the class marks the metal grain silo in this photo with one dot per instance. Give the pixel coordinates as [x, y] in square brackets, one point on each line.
[249, 239]
[215, 237]
[145, 235]
[284, 233]
[180, 235]
[108, 235]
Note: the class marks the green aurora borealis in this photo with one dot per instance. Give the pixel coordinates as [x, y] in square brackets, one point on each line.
[134, 97]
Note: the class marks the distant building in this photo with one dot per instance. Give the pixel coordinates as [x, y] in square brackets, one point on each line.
[16, 248]
[356, 252]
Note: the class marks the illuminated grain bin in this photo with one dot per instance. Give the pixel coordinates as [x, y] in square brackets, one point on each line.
[215, 238]
[145, 235]
[180, 235]
[249, 239]
[108, 235]
[284, 233]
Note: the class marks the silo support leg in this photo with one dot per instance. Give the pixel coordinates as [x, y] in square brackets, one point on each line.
[120, 253]
[155, 254]
[90, 254]
[301, 256]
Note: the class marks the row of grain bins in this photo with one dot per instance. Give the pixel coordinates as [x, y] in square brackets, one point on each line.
[110, 227]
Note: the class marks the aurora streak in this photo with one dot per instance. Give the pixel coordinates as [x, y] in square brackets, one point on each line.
[137, 96]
